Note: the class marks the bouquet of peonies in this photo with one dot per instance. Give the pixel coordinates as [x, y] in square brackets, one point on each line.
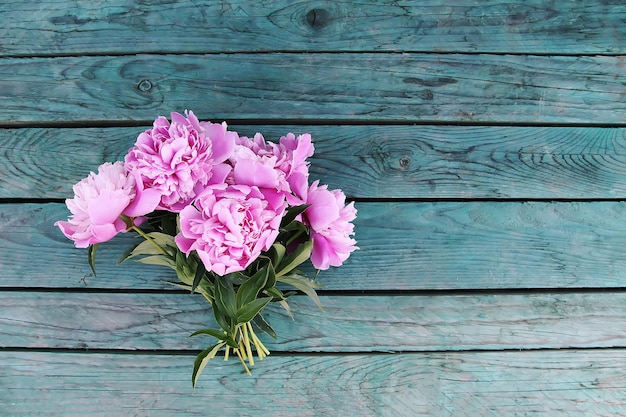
[233, 216]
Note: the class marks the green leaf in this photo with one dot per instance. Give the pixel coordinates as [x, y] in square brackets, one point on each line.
[200, 270]
[276, 253]
[221, 319]
[186, 273]
[202, 359]
[260, 322]
[235, 278]
[292, 232]
[271, 277]
[250, 288]
[207, 289]
[218, 334]
[127, 253]
[168, 224]
[145, 248]
[248, 311]
[301, 254]
[179, 285]
[292, 213]
[305, 285]
[285, 305]
[225, 298]
[275, 293]
[158, 260]
[91, 257]
[163, 239]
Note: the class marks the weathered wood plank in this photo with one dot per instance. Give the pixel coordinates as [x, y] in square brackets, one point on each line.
[532, 26]
[364, 161]
[530, 383]
[321, 87]
[347, 324]
[404, 245]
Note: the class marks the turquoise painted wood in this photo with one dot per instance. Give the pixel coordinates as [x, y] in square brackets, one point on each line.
[54, 28]
[389, 161]
[350, 324]
[404, 246]
[324, 87]
[569, 383]
[484, 146]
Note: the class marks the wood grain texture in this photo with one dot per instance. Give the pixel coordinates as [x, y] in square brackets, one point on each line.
[316, 87]
[430, 245]
[364, 161]
[534, 26]
[530, 383]
[410, 103]
[131, 321]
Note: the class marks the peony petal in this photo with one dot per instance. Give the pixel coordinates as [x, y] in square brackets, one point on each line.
[81, 238]
[223, 143]
[145, 202]
[193, 120]
[187, 217]
[323, 210]
[299, 184]
[183, 243]
[102, 233]
[107, 206]
[177, 118]
[220, 173]
[218, 268]
[253, 172]
[321, 253]
[275, 199]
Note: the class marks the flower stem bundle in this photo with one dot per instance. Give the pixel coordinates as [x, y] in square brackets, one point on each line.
[233, 217]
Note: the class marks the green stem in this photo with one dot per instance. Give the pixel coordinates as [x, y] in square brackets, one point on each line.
[294, 237]
[149, 239]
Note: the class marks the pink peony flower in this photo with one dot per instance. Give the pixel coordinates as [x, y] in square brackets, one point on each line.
[99, 201]
[230, 225]
[294, 164]
[330, 221]
[281, 166]
[180, 158]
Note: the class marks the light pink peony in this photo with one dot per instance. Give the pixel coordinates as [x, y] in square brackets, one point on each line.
[99, 201]
[282, 166]
[180, 158]
[230, 225]
[330, 221]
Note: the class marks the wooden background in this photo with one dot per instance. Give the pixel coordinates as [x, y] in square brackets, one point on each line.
[484, 143]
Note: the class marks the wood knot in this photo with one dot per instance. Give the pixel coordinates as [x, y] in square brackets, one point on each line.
[404, 163]
[318, 18]
[144, 85]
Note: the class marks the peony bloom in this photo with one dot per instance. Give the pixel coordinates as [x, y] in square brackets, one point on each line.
[294, 163]
[230, 225]
[281, 166]
[180, 158]
[99, 201]
[330, 221]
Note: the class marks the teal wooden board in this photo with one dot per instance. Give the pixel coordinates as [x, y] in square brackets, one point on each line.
[537, 26]
[364, 161]
[531, 383]
[316, 87]
[484, 144]
[411, 323]
[404, 245]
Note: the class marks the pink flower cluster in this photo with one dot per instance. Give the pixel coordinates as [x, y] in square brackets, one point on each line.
[230, 194]
[99, 202]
